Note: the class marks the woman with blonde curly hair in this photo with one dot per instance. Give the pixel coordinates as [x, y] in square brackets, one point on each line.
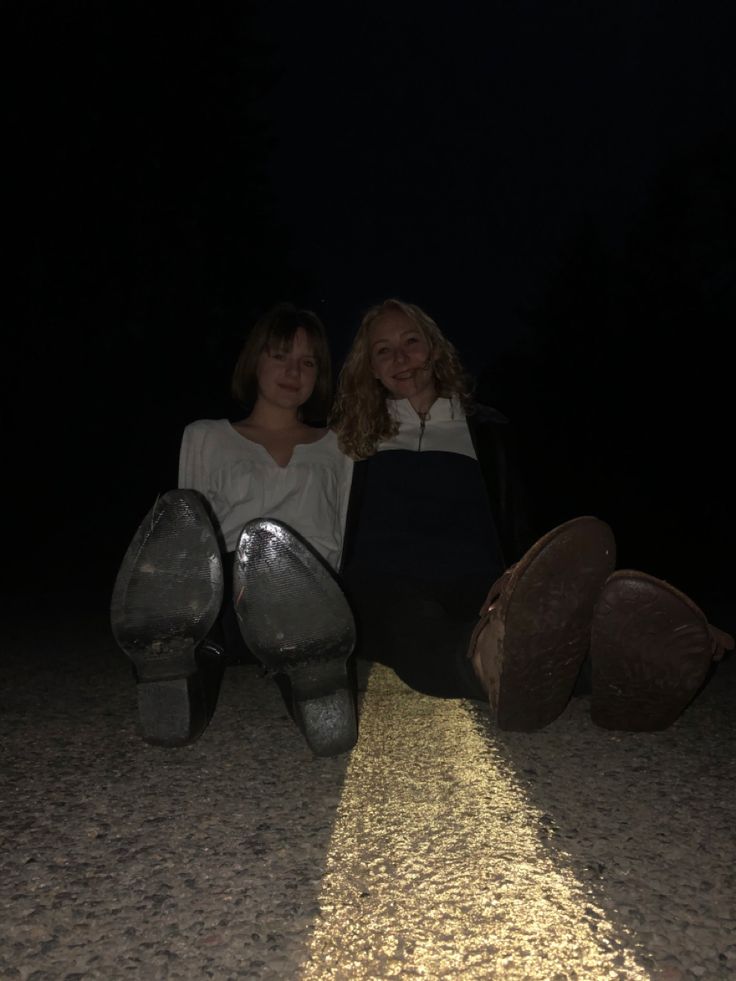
[435, 509]
[434, 519]
[361, 414]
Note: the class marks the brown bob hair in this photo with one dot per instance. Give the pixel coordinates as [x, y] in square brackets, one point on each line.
[275, 331]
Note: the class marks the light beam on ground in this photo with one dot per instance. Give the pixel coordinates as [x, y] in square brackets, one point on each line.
[435, 867]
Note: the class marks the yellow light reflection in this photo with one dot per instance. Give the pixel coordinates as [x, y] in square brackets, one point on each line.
[435, 869]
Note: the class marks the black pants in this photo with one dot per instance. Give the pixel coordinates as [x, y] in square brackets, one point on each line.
[419, 629]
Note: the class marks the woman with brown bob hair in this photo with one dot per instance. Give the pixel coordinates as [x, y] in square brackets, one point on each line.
[275, 330]
[435, 519]
[241, 558]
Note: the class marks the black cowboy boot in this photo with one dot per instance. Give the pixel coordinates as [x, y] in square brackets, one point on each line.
[167, 596]
[295, 619]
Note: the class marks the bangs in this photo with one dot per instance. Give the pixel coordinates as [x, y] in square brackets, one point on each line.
[274, 332]
[281, 336]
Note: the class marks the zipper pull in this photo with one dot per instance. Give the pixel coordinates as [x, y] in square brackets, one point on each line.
[422, 422]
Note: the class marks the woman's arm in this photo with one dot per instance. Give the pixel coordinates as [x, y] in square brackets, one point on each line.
[493, 443]
[192, 471]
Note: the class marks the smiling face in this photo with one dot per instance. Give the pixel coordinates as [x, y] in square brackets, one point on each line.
[286, 376]
[401, 359]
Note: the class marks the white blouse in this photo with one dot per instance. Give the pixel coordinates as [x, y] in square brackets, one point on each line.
[242, 481]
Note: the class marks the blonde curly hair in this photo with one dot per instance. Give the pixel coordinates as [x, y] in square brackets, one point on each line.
[360, 414]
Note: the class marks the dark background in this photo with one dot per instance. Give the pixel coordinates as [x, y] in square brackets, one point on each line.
[554, 183]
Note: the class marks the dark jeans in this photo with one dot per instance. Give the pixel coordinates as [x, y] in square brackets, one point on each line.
[419, 629]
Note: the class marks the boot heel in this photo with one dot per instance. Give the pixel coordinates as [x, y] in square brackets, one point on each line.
[172, 712]
[324, 707]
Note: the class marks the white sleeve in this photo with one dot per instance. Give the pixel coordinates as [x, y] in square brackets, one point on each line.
[191, 466]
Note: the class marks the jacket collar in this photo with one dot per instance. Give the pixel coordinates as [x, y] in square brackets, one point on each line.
[442, 410]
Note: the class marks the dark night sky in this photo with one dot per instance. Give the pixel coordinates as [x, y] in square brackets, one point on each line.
[555, 183]
[448, 152]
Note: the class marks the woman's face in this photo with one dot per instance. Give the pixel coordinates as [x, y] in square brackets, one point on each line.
[287, 376]
[400, 359]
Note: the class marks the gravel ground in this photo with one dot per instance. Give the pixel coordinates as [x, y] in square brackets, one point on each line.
[440, 848]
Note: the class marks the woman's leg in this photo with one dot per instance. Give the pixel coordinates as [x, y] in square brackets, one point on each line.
[420, 630]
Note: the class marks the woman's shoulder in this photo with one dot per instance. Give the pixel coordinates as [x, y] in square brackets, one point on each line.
[326, 444]
[313, 434]
[207, 426]
[208, 435]
[209, 431]
[486, 414]
[325, 451]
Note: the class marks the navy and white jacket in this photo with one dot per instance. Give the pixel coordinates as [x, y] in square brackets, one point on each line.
[440, 496]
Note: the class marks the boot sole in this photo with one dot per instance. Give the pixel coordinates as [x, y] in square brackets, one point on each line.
[295, 619]
[650, 652]
[549, 605]
[166, 598]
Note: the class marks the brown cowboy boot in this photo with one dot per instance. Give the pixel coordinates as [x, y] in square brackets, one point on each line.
[651, 650]
[534, 631]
